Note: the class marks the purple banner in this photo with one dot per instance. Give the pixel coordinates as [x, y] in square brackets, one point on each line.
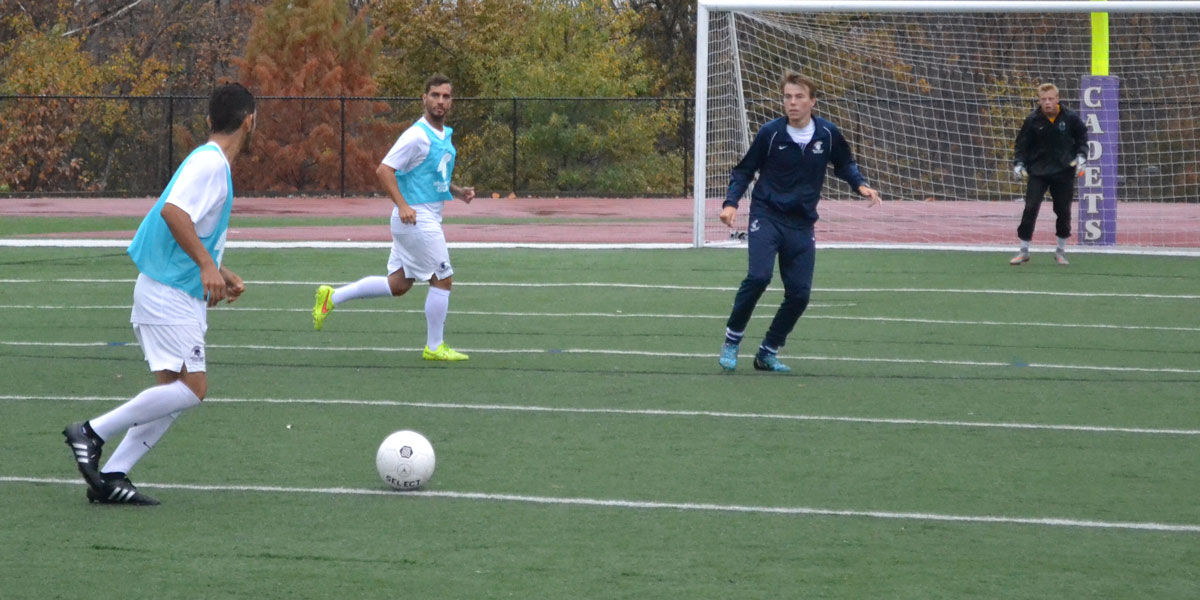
[1098, 186]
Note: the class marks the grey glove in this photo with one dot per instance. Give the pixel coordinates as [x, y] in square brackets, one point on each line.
[1079, 162]
[1019, 170]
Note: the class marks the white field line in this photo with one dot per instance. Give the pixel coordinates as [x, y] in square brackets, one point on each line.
[700, 288]
[265, 245]
[645, 505]
[251, 244]
[652, 412]
[613, 352]
[621, 315]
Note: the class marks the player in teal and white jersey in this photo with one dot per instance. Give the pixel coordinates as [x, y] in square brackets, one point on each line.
[417, 175]
[178, 250]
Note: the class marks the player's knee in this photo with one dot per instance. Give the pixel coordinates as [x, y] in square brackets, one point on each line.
[797, 300]
[756, 283]
[399, 285]
[441, 283]
[797, 292]
[198, 385]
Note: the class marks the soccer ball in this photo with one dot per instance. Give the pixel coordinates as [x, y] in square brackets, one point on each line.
[405, 460]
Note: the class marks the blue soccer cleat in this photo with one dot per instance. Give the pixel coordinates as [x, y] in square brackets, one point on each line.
[729, 357]
[770, 362]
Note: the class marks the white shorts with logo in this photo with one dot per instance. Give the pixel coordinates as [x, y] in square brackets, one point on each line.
[420, 250]
[169, 325]
[170, 347]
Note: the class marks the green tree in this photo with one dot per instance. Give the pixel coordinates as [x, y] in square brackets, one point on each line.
[459, 39]
[665, 30]
[540, 49]
[63, 144]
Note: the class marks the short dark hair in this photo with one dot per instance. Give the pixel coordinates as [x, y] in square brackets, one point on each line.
[229, 106]
[791, 77]
[436, 79]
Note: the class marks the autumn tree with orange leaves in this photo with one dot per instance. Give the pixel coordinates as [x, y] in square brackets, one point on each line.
[315, 53]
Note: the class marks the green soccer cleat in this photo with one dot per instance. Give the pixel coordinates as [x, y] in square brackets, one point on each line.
[323, 306]
[443, 352]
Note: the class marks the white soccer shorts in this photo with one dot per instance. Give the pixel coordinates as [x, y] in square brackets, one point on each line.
[170, 347]
[422, 253]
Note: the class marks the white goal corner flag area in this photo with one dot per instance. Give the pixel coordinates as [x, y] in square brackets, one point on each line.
[931, 94]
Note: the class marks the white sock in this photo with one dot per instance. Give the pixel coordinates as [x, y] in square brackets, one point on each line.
[150, 405]
[437, 304]
[367, 287]
[1024, 247]
[1062, 244]
[138, 441]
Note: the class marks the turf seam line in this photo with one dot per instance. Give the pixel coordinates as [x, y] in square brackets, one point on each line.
[614, 352]
[654, 413]
[621, 315]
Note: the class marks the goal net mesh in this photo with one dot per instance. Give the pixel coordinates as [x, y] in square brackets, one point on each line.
[931, 105]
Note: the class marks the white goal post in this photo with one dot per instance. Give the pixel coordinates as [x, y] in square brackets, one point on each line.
[930, 94]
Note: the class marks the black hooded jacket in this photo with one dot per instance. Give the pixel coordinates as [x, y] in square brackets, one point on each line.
[1046, 148]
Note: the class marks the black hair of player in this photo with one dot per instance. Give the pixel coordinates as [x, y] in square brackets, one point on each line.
[436, 80]
[229, 106]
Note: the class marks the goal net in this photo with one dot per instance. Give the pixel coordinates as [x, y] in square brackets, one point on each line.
[931, 95]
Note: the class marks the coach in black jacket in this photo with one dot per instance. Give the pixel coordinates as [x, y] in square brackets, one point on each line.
[1051, 150]
[790, 155]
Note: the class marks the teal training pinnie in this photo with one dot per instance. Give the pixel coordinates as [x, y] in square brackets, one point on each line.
[157, 254]
[430, 181]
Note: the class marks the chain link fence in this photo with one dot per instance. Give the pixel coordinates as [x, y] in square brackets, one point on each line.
[130, 146]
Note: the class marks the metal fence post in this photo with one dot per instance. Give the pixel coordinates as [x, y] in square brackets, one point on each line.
[514, 145]
[343, 102]
[170, 141]
[687, 162]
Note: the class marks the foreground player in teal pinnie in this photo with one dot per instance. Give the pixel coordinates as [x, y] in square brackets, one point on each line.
[177, 250]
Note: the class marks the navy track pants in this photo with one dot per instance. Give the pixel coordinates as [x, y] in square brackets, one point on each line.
[796, 249]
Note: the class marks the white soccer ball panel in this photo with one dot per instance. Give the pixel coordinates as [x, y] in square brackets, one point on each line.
[405, 460]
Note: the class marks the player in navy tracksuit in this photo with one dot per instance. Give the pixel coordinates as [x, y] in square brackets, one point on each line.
[790, 155]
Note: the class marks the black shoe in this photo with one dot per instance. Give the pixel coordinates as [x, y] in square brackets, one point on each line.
[85, 449]
[117, 489]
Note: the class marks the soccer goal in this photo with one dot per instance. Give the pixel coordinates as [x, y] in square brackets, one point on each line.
[931, 95]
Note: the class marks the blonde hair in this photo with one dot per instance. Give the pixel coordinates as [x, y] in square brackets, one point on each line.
[1047, 87]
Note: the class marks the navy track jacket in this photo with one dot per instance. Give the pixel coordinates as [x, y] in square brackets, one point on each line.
[790, 177]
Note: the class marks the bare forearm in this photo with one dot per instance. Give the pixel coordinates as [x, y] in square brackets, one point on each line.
[387, 180]
[184, 232]
[466, 194]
